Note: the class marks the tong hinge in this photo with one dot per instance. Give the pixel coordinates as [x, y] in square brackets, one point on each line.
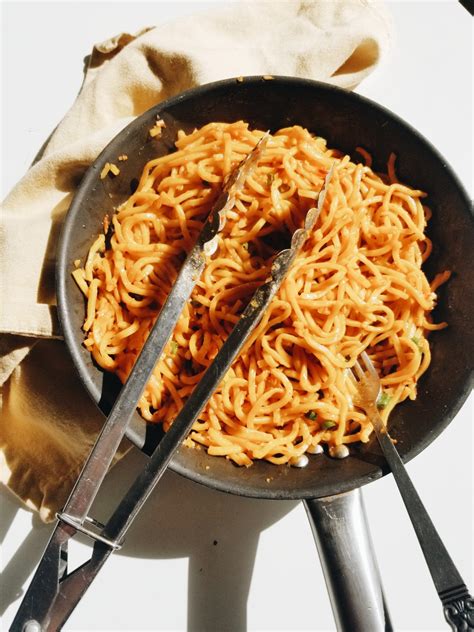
[83, 528]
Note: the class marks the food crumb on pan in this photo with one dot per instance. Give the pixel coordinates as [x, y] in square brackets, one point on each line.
[157, 128]
[77, 263]
[240, 79]
[109, 167]
[268, 77]
[106, 223]
[123, 157]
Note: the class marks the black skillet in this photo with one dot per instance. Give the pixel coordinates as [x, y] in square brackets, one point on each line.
[346, 120]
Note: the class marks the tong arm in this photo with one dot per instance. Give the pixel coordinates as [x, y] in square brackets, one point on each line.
[52, 591]
[142, 487]
[50, 608]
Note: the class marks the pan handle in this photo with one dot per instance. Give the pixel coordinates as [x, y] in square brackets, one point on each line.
[341, 532]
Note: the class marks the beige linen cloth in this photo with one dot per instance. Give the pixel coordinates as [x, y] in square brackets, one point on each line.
[48, 423]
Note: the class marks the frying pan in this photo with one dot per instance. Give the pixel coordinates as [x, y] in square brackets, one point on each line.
[346, 120]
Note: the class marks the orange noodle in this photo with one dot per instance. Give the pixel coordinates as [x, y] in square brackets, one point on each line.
[357, 285]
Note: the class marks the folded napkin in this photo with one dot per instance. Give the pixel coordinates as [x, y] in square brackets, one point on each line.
[46, 431]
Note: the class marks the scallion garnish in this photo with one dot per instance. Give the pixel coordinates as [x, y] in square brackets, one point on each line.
[383, 401]
[174, 347]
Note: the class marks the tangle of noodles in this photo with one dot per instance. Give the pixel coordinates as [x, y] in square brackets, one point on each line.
[356, 285]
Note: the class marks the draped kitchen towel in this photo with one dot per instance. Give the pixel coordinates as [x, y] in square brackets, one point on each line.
[46, 432]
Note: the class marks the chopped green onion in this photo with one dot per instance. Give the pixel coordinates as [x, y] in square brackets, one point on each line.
[417, 341]
[383, 401]
[328, 424]
[311, 415]
[174, 347]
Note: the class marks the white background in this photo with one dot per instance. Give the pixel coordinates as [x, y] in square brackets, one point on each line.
[170, 575]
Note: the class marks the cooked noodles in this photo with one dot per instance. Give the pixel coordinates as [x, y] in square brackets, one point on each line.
[357, 285]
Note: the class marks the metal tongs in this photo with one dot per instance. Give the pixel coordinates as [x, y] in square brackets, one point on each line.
[54, 592]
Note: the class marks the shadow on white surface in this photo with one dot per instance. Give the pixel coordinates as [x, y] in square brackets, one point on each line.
[218, 532]
[28, 553]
